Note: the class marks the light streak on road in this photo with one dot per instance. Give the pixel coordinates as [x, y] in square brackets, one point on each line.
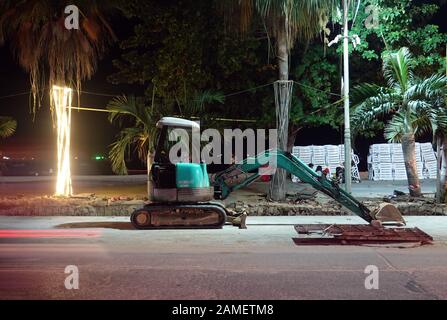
[37, 233]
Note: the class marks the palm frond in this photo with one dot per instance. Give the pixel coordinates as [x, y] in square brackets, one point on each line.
[139, 129]
[201, 99]
[365, 91]
[7, 127]
[432, 89]
[372, 102]
[420, 106]
[304, 17]
[398, 68]
[126, 107]
[431, 120]
[397, 126]
[122, 146]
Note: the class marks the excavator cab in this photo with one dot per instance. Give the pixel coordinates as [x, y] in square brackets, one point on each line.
[173, 176]
[179, 189]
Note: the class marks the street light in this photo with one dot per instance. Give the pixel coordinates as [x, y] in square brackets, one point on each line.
[347, 134]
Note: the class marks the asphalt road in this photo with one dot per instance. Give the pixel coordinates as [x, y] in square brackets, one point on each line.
[116, 262]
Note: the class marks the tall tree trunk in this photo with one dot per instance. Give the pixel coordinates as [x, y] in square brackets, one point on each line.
[293, 132]
[441, 190]
[408, 149]
[277, 191]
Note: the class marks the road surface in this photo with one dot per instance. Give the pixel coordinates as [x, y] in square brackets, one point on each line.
[116, 262]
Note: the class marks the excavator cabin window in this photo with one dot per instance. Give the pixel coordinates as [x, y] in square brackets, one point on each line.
[165, 145]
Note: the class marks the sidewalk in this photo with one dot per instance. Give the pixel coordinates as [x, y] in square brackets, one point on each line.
[136, 186]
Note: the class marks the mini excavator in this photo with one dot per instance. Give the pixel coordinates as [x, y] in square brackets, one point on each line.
[181, 195]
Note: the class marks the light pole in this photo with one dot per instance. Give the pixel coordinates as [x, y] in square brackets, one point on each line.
[347, 132]
[348, 178]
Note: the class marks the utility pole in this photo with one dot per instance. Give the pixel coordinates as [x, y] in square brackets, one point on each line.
[345, 91]
[348, 178]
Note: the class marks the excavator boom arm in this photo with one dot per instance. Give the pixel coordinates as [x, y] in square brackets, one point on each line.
[251, 166]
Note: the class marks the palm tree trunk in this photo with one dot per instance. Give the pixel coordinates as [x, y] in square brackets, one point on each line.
[277, 191]
[408, 148]
[283, 55]
[441, 187]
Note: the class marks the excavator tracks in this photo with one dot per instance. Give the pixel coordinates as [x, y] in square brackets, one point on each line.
[179, 216]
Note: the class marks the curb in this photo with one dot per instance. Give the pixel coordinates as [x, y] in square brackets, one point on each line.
[95, 207]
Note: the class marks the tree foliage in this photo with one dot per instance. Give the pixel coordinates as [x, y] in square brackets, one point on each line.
[44, 47]
[186, 47]
[403, 23]
[409, 104]
[7, 127]
[181, 49]
[138, 123]
[303, 19]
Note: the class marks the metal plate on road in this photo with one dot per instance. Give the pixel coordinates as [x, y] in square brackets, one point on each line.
[353, 234]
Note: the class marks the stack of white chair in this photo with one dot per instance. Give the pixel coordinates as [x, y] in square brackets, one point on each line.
[400, 172]
[397, 158]
[318, 156]
[327, 156]
[380, 166]
[386, 162]
[304, 153]
[429, 159]
[333, 157]
[397, 155]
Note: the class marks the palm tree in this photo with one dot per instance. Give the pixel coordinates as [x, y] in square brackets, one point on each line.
[411, 105]
[433, 119]
[286, 21]
[52, 54]
[139, 124]
[7, 127]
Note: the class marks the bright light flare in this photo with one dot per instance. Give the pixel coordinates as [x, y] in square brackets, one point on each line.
[62, 99]
[24, 234]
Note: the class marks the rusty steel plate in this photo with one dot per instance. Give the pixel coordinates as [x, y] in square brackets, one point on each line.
[354, 234]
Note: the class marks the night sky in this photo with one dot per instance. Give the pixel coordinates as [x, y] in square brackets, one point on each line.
[92, 131]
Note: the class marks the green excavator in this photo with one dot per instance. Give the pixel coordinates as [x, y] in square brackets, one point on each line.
[181, 195]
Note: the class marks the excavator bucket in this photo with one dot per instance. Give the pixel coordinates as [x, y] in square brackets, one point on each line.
[389, 214]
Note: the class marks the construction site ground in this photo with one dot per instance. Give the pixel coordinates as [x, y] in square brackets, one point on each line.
[120, 195]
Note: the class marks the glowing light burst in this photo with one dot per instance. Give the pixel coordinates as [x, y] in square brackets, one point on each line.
[62, 99]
